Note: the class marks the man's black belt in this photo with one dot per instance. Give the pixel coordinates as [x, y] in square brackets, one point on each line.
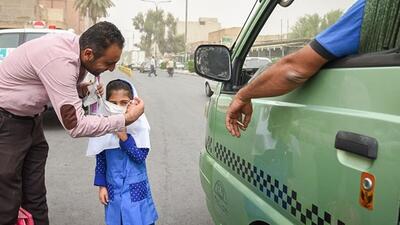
[10, 115]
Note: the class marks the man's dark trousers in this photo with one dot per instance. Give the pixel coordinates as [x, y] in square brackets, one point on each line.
[152, 70]
[23, 154]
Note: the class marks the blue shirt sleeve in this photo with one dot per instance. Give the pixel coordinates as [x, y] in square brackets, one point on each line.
[100, 171]
[136, 154]
[343, 37]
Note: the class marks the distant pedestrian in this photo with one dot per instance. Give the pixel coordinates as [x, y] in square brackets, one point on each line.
[170, 67]
[152, 67]
[120, 171]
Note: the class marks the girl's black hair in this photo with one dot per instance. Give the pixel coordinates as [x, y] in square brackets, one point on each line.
[116, 85]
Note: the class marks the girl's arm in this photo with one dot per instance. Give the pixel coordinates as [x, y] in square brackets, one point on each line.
[129, 146]
[100, 171]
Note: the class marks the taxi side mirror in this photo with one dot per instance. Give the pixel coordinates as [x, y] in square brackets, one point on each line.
[213, 62]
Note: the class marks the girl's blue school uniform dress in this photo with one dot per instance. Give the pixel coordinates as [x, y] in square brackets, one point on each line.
[123, 171]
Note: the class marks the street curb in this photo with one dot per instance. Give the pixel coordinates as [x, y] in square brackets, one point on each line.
[186, 72]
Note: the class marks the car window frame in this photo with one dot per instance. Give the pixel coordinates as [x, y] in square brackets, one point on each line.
[25, 35]
[245, 42]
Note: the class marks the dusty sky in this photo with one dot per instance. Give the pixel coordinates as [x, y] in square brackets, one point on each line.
[229, 12]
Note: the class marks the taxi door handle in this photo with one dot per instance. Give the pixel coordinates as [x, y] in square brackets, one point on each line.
[358, 144]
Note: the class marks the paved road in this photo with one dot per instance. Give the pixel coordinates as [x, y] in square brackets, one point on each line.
[174, 107]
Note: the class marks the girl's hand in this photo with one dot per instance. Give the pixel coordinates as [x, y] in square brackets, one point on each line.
[103, 195]
[122, 135]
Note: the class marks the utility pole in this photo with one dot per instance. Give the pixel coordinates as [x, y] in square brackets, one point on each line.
[287, 29]
[186, 16]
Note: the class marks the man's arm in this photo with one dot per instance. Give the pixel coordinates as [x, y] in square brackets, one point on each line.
[287, 74]
[59, 78]
[340, 39]
[284, 76]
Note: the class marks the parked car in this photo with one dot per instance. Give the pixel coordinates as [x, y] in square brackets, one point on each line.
[179, 66]
[135, 66]
[326, 153]
[12, 38]
[144, 67]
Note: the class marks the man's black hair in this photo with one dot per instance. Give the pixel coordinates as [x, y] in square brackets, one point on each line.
[101, 36]
[116, 85]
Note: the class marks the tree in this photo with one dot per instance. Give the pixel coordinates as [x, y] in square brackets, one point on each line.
[330, 18]
[95, 9]
[309, 26]
[306, 27]
[156, 27]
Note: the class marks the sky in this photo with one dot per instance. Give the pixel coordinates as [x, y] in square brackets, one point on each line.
[230, 13]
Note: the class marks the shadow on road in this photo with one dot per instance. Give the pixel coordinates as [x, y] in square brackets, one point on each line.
[50, 121]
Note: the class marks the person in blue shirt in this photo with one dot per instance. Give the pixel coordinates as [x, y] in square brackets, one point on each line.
[120, 170]
[339, 40]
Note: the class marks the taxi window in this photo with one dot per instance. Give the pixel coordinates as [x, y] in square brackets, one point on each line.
[290, 28]
[10, 40]
[31, 36]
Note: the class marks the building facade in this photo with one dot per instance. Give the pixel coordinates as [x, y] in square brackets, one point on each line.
[224, 36]
[17, 13]
[198, 30]
[60, 13]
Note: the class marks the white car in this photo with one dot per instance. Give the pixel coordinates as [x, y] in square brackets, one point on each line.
[179, 66]
[12, 38]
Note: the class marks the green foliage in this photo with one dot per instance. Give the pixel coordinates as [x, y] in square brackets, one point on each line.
[275, 59]
[330, 18]
[309, 26]
[95, 9]
[160, 27]
[163, 65]
[190, 66]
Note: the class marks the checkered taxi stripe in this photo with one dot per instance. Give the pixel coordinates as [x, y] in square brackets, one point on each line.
[272, 188]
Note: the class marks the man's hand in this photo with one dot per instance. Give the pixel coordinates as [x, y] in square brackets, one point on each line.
[234, 116]
[282, 77]
[134, 110]
[103, 195]
[122, 135]
[84, 89]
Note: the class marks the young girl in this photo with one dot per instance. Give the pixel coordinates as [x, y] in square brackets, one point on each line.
[120, 163]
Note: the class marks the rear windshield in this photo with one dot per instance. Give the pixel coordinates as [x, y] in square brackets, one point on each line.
[10, 40]
[256, 62]
[31, 36]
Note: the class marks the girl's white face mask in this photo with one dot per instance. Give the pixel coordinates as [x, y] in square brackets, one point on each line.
[113, 109]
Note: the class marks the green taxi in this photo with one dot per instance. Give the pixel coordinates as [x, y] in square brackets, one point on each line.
[327, 153]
